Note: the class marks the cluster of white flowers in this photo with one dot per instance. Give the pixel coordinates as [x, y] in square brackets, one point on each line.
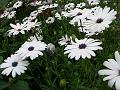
[10, 12]
[17, 62]
[88, 20]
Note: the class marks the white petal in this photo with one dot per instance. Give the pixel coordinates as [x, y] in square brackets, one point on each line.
[106, 72]
[117, 57]
[117, 84]
[112, 81]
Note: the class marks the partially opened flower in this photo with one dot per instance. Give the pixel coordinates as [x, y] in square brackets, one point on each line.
[112, 72]
[82, 48]
[36, 37]
[32, 49]
[65, 40]
[14, 65]
[50, 20]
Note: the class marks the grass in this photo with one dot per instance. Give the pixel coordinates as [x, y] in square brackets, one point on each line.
[56, 71]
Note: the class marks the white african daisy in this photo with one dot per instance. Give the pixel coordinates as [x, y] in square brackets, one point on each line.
[14, 65]
[50, 20]
[32, 49]
[113, 71]
[82, 48]
[11, 14]
[81, 5]
[18, 28]
[100, 20]
[79, 15]
[58, 16]
[69, 6]
[17, 4]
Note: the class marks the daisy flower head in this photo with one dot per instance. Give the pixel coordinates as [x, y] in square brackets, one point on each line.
[99, 20]
[69, 6]
[58, 16]
[18, 28]
[11, 14]
[65, 40]
[32, 49]
[112, 72]
[14, 65]
[79, 13]
[82, 48]
[17, 4]
[31, 24]
[50, 20]
[81, 5]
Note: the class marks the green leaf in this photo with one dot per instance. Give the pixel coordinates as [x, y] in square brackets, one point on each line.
[19, 85]
[3, 85]
[1, 59]
[26, 77]
[1, 51]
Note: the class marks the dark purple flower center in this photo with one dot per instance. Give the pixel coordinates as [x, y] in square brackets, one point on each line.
[99, 20]
[119, 72]
[82, 46]
[78, 14]
[14, 64]
[19, 29]
[31, 48]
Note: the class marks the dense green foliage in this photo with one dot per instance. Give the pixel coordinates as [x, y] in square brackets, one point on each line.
[56, 71]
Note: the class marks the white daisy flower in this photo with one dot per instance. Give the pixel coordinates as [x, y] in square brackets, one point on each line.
[32, 49]
[44, 7]
[50, 20]
[36, 3]
[69, 6]
[113, 71]
[79, 13]
[65, 40]
[17, 4]
[18, 28]
[82, 48]
[14, 65]
[11, 14]
[58, 16]
[31, 24]
[81, 5]
[34, 13]
[5, 14]
[93, 2]
[100, 20]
